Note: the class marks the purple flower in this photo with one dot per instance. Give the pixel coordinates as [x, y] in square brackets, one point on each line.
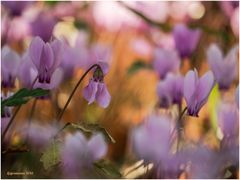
[28, 72]
[165, 61]
[46, 57]
[228, 120]
[9, 68]
[39, 135]
[185, 39]
[78, 153]
[170, 90]
[196, 90]
[237, 96]
[223, 68]
[43, 25]
[96, 90]
[151, 140]
[16, 7]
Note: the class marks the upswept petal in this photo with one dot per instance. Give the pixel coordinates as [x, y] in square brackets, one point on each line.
[57, 48]
[190, 82]
[35, 51]
[103, 97]
[10, 61]
[204, 88]
[97, 147]
[214, 55]
[47, 60]
[89, 92]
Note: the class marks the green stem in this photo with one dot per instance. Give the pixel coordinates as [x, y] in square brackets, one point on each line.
[179, 125]
[15, 113]
[74, 90]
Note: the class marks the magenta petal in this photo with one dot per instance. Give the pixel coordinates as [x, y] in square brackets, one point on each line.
[35, 51]
[190, 82]
[89, 92]
[97, 147]
[103, 97]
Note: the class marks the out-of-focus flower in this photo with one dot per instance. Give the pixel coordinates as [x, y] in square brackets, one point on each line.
[229, 6]
[196, 90]
[43, 25]
[141, 46]
[228, 120]
[6, 111]
[205, 163]
[9, 68]
[186, 40]
[99, 53]
[224, 68]
[235, 22]
[170, 90]
[105, 14]
[78, 153]
[23, 29]
[96, 89]
[16, 7]
[39, 135]
[46, 57]
[151, 140]
[237, 95]
[165, 61]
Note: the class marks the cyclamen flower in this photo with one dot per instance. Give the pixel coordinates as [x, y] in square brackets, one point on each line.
[78, 153]
[223, 68]
[16, 7]
[196, 90]
[165, 61]
[10, 64]
[151, 140]
[46, 57]
[96, 90]
[185, 39]
[170, 90]
[28, 72]
[237, 96]
[228, 120]
[43, 25]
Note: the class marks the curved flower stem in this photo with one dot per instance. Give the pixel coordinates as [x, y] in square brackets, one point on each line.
[179, 124]
[15, 113]
[74, 90]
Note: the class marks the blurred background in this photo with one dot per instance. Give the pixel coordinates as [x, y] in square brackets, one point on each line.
[129, 31]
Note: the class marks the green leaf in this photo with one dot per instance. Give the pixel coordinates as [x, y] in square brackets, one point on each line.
[81, 24]
[51, 3]
[51, 156]
[108, 169]
[138, 65]
[212, 103]
[91, 128]
[23, 96]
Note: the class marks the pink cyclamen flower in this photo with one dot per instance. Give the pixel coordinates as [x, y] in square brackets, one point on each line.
[185, 39]
[78, 153]
[46, 57]
[170, 90]
[96, 90]
[223, 68]
[196, 90]
[9, 68]
[165, 61]
[151, 140]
